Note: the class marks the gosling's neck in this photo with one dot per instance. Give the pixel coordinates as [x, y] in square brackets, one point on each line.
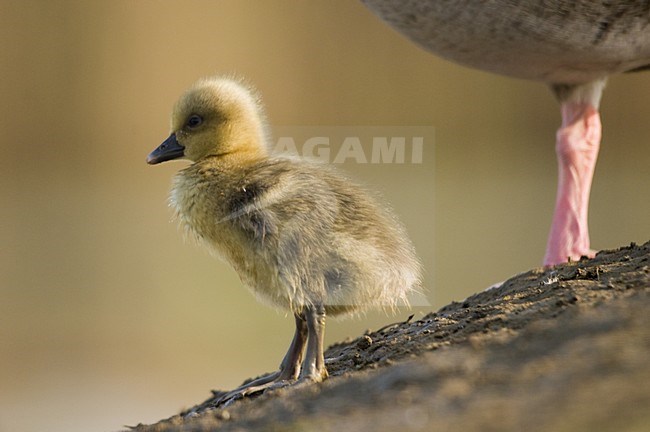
[245, 151]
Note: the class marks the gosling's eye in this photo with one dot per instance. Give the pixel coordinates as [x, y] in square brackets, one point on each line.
[194, 121]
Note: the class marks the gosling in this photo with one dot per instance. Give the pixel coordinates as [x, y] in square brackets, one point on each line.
[302, 237]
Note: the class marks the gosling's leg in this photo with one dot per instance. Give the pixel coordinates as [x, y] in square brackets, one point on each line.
[289, 368]
[313, 367]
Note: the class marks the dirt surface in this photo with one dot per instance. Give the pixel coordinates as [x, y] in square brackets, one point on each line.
[559, 349]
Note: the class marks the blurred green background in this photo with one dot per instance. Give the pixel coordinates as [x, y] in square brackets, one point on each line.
[107, 317]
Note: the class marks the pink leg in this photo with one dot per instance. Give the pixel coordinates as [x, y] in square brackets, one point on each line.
[578, 141]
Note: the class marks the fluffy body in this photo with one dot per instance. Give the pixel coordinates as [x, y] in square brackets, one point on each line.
[297, 233]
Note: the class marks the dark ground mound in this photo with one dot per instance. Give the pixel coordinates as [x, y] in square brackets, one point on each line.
[559, 349]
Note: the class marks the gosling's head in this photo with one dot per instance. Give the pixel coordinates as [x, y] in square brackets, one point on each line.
[215, 117]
